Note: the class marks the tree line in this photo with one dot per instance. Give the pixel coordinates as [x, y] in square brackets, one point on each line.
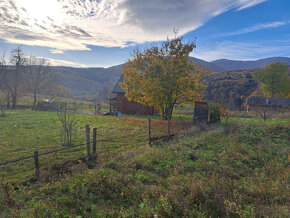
[21, 74]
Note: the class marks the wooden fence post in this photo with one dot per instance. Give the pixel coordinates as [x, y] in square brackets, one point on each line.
[168, 128]
[180, 122]
[88, 140]
[94, 141]
[149, 131]
[36, 161]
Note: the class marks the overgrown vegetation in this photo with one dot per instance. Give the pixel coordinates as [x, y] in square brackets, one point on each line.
[207, 174]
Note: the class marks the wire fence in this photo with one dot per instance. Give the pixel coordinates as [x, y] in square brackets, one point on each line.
[27, 162]
[26, 167]
[162, 130]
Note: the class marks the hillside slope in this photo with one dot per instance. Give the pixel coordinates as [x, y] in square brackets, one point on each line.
[208, 65]
[84, 81]
[230, 88]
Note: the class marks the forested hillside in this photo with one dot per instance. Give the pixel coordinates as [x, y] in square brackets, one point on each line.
[230, 88]
[228, 82]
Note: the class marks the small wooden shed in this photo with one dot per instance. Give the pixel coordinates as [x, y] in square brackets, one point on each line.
[200, 112]
[121, 104]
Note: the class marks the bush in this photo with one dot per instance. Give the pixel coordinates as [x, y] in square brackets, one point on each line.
[215, 113]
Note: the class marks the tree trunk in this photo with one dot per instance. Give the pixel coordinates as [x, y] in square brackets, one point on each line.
[167, 113]
[34, 101]
[14, 100]
[8, 101]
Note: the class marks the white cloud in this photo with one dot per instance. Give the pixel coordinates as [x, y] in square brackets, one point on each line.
[243, 51]
[255, 28]
[75, 24]
[56, 51]
[56, 62]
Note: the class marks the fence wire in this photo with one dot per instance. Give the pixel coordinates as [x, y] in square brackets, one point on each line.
[126, 134]
[165, 129]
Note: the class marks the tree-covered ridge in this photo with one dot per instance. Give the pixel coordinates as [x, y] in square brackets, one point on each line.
[230, 88]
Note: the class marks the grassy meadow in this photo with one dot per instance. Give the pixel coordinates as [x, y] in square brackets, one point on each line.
[202, 174]
[24, 131]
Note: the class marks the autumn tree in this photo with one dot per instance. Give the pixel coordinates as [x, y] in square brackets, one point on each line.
[39, 78]
[274, 80]
[164, 76]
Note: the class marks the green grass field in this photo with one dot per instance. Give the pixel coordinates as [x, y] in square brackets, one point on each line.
[203, 174]
[24, 131]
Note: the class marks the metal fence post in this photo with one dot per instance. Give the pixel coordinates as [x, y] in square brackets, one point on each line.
[94, 141]
[149, 131]
[36, 161]
[88, 140]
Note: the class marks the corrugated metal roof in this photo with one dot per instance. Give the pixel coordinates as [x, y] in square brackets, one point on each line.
[265, 101]
[117, 87]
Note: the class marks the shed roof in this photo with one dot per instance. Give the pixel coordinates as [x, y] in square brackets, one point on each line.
[117, 87]
[271, 102]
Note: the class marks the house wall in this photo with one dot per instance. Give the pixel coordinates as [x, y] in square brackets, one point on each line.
[131, 107]
[266, 108]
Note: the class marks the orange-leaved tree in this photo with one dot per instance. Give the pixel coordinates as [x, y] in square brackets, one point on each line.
[164, 76]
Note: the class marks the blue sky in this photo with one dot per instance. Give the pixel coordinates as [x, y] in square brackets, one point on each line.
[102, 33]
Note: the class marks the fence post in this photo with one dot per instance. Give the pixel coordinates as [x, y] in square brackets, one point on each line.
[180, 122]
[36, 161]
[88, 140]
[94, 141]
[168, 128]
[149, 131]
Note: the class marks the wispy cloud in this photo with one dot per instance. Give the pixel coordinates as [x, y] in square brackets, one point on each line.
[243, 51]
[75, 24]
[247, 4]
[56, 51]
[255, 28]
[56, 62]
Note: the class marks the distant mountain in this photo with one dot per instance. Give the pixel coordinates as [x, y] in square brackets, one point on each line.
[208, 65]
[89, 81]
[248, 65]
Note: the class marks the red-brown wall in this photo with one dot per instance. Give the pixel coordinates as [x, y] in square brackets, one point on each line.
[131, 107]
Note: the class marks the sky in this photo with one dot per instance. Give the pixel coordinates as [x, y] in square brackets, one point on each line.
[103, 33]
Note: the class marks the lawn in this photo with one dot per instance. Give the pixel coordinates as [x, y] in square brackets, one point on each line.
[202, 174]
[24, 131]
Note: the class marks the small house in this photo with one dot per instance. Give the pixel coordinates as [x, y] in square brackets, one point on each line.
[261, 103]
[121, 104]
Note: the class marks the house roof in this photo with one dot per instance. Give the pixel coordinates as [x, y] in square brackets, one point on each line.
[271, 102]
[117, 87]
